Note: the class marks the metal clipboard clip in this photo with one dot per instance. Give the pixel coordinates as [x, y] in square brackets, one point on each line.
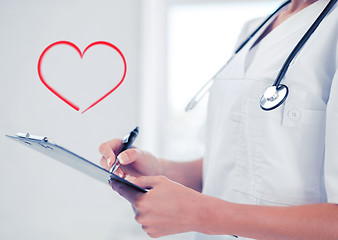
[40, 140]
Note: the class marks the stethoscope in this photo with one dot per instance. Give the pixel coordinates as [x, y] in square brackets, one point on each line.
[276, 94]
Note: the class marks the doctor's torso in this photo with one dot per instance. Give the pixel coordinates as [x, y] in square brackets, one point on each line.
[272, 157]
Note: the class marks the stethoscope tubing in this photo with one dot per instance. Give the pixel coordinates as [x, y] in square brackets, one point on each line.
[302, 42]
[205, 89]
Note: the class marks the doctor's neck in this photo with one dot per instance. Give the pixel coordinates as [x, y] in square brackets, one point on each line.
[294, 7]
[297, 5]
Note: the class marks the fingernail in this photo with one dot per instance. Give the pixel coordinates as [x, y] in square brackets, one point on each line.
[122, 158]
[109, 162]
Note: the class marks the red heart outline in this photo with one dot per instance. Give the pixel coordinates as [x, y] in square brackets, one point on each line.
[81, 55]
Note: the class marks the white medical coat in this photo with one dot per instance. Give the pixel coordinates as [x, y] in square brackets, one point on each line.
[287, 156]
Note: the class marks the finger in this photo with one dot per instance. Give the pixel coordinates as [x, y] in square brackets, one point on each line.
[119, 173]
[104, 163]
[147, 182]
[110, 149]
[130, 178]
[125, 191]
[129, 156]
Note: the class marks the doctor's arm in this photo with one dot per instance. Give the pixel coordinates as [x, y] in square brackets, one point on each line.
[318, 221]
[170, 208]
[136, 162]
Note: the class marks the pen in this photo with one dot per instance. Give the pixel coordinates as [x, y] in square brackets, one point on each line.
[126, 144]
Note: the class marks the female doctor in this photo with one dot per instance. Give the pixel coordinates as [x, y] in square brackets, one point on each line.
[266, 174]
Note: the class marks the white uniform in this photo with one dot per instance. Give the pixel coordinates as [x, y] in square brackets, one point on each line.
[287, 156]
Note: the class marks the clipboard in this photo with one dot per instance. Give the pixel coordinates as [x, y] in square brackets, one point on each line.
[61, 154]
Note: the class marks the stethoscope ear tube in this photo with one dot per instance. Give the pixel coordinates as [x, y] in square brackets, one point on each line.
[203, 91]
[199, 95]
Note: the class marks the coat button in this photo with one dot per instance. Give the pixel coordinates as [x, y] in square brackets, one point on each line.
[294, 114]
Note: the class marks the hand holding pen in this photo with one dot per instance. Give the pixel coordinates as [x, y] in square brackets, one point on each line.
[126, 144]
[135, 162]
[144, 169]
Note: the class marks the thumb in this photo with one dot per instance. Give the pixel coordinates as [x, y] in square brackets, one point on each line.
[147, 182]
[129, 156]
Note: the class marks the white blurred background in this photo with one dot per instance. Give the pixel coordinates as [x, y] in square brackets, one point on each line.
[171, 48]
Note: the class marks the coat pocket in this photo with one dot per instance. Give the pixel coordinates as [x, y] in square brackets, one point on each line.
[281, 152]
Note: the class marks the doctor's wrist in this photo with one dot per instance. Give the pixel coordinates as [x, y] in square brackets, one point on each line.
[215, 217]
[165, 166]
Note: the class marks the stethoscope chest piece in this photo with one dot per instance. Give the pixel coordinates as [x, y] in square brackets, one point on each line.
[273, 97]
